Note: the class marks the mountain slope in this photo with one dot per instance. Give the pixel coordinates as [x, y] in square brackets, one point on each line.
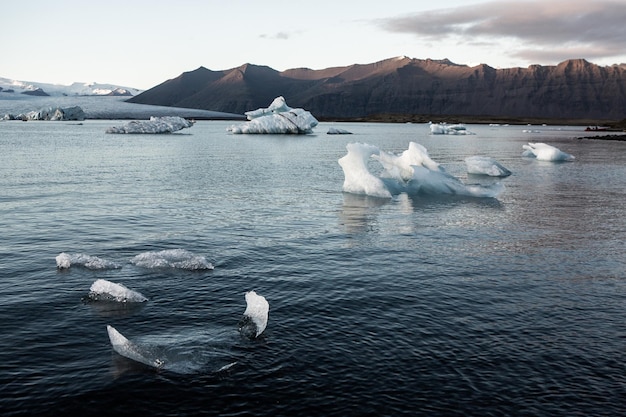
[571, 89]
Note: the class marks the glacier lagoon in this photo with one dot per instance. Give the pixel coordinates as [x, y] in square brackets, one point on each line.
[406, 305]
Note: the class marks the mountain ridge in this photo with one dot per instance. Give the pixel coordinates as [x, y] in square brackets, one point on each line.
[572, 89]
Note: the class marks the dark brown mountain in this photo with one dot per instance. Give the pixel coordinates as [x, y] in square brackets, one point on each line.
[570, 90]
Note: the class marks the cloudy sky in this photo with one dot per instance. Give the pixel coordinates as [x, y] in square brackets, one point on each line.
[141, 43]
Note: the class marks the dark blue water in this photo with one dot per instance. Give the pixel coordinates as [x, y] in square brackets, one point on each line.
[410, 306]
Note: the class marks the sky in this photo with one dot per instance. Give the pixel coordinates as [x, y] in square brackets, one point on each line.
[142, 43]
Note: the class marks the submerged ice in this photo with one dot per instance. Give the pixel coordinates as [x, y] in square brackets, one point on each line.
[412, 172]
[446, 129]
[103, 290]
[165, 124]
[255, 316]
[545, 152]
[277, 118]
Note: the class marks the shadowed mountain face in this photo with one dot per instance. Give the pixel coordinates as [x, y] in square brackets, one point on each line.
[571, 89]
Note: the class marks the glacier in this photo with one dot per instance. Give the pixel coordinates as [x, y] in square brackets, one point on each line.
[277, 118]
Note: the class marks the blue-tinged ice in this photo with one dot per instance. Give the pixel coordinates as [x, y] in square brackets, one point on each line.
[165, 124]
[485, 165]
[412, 172]
[66, 260]
[545, 152]
[256, 315]
[277, 118]
[103, 290]
[172, 258]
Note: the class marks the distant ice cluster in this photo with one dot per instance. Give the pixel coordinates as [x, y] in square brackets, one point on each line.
[277, 118]
[49, 113]
[165, 124]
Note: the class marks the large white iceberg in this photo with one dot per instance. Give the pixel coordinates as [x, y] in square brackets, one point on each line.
[545, 152]
[485, 165]
[412, 172]
[165, 124]
[446, 129]
[277, 118]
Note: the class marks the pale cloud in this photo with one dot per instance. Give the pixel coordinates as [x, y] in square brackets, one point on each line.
[278, 35]
[538, 29]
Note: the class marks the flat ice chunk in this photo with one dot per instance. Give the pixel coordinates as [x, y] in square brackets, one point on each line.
[446, 129]
[103, 290]
[545, 152]
[66, 260]
[165, 124]
[338, 131]
[485, 165]
[277, 118]
[256, 315]
[172, 258]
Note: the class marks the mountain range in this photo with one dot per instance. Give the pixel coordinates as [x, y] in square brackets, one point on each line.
[9, 87]
[573, 89]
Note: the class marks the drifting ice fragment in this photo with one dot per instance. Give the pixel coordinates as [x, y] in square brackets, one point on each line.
[172, 258]
[166, 124]
[129, 350]
[256, 315]
[485, 165]
[545, 152]
[277, 118]
[445, 129]
[65, 260]
[337, 131]
[103, 290]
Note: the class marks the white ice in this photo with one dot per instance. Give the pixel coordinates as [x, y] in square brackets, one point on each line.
[165, 124]
[412, 172]
[545, 152]
[103, 290]
[129, 350]
[446, 129]
[485, 165]
[257, 310]
[65, 260]
[172, 258]
[277, 118]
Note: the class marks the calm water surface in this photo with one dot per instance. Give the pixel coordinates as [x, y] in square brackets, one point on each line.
[409, 306]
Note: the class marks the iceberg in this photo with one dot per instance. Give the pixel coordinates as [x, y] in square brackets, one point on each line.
[277, 118]
[103, 290]
[412, 172]
[172, 258]
[50, 113]
[165, 124]
[545, 152]
[446, 129]
[129, 350]
[338, 131]
[66, 260]
[485, 165]
[256, 315]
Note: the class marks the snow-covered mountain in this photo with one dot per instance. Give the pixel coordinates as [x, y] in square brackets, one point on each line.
[9, 86]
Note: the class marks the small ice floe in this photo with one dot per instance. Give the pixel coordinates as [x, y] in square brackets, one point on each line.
[66, 260]
[446, 129]
[337, 131]
[277, 118]
[103, 290]
[129, 350]
[485, 165]
[412, 172]
[255, 317]
[172, 258]
[545, 152]
[165, 124]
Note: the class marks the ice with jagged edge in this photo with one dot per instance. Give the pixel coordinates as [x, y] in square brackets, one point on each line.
[412, 172]
[446, 129]
[277, 118]
[255, 316]
[103, 290]
[172, 258]
[165, 124]
[66, 260]
[485, 165]
[545, 152]
[130, 350]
